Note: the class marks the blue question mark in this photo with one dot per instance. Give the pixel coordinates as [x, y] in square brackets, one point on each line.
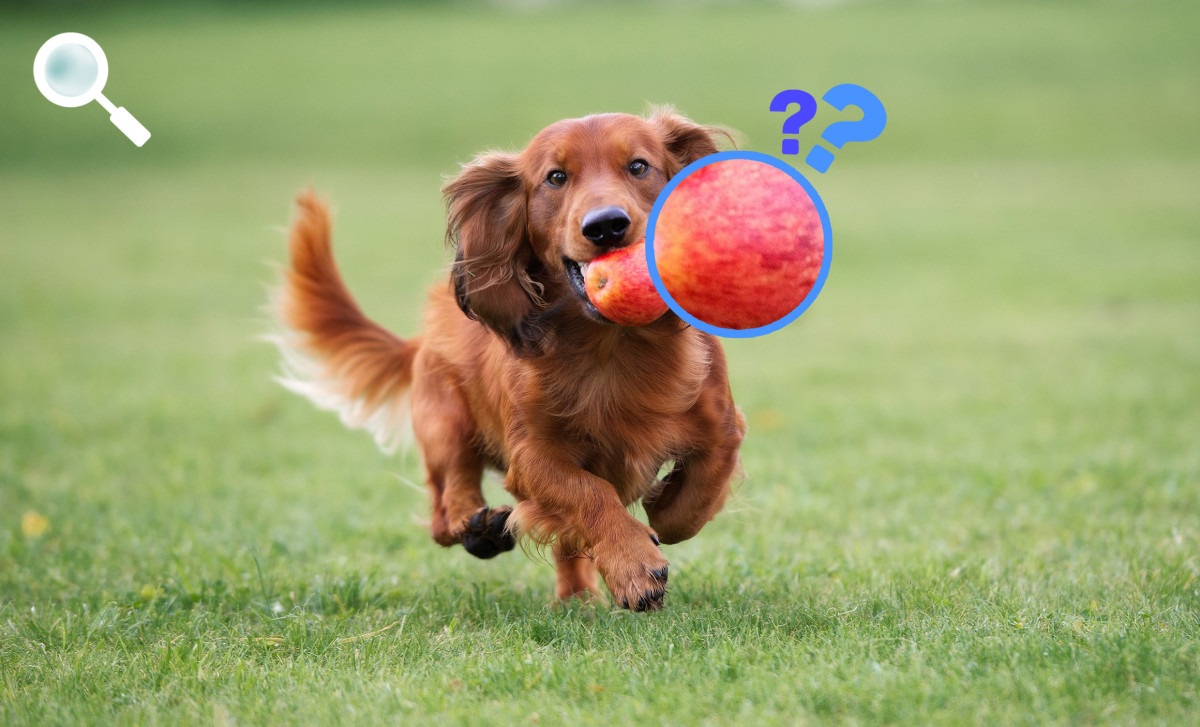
[808, 109]
[869, 127]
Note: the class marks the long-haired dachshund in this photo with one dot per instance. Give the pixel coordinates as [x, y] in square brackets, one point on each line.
[517, 371]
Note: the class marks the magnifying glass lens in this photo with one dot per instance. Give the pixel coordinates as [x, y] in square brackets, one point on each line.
[71, 70]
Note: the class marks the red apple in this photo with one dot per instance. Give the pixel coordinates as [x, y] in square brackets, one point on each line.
[618, 283]
[739, 244]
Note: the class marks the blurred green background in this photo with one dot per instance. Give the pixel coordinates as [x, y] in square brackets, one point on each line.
[973, 475]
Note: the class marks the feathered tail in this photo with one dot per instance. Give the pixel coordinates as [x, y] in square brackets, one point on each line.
[332, 353]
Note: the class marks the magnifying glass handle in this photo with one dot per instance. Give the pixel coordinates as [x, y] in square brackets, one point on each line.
[129, 126]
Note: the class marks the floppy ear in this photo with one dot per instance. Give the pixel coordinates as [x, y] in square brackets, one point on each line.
[487, 224]
[686, 141]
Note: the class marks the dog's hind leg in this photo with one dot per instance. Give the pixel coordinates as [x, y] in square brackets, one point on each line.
[447, 435]
[576, 573]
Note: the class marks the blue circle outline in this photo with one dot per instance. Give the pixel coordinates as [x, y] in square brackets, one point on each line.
[826, 257]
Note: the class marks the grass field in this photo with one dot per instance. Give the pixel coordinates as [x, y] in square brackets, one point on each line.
[972, 489]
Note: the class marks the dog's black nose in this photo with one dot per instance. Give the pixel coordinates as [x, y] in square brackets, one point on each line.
[606, 225]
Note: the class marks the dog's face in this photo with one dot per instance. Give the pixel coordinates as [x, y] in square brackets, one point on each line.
[527, 224]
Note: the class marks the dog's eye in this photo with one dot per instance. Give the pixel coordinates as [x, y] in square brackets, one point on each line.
[556, 178]
[639, 167]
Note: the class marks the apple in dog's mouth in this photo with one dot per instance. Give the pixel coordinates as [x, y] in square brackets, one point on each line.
[619, 286]
[616, 287]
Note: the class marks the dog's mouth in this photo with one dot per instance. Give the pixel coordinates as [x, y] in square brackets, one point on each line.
[575, 276]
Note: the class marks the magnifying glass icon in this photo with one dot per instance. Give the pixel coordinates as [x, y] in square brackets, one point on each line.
[70, 69]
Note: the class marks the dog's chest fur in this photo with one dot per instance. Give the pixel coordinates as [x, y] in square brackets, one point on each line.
[620, 403]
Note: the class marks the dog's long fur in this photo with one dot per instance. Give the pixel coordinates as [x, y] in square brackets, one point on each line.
[515, 371]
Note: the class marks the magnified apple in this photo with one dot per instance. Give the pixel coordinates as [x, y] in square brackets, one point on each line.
[739, 244]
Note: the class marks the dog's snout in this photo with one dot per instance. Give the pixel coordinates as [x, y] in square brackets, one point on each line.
[605, 225]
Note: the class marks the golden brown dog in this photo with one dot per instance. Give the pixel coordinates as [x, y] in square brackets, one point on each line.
[517, 371]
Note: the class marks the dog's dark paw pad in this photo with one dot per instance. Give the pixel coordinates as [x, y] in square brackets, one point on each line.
[496, 525]
[485, 535]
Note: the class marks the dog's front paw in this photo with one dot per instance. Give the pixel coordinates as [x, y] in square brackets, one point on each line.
[485, 535]
[636, 574]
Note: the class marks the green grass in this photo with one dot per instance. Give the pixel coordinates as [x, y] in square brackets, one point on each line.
[972, 488]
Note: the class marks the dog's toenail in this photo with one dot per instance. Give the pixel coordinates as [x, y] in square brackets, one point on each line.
[654, 538]
[476, 521]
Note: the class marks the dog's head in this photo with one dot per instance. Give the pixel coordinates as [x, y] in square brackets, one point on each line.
[524, 223]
